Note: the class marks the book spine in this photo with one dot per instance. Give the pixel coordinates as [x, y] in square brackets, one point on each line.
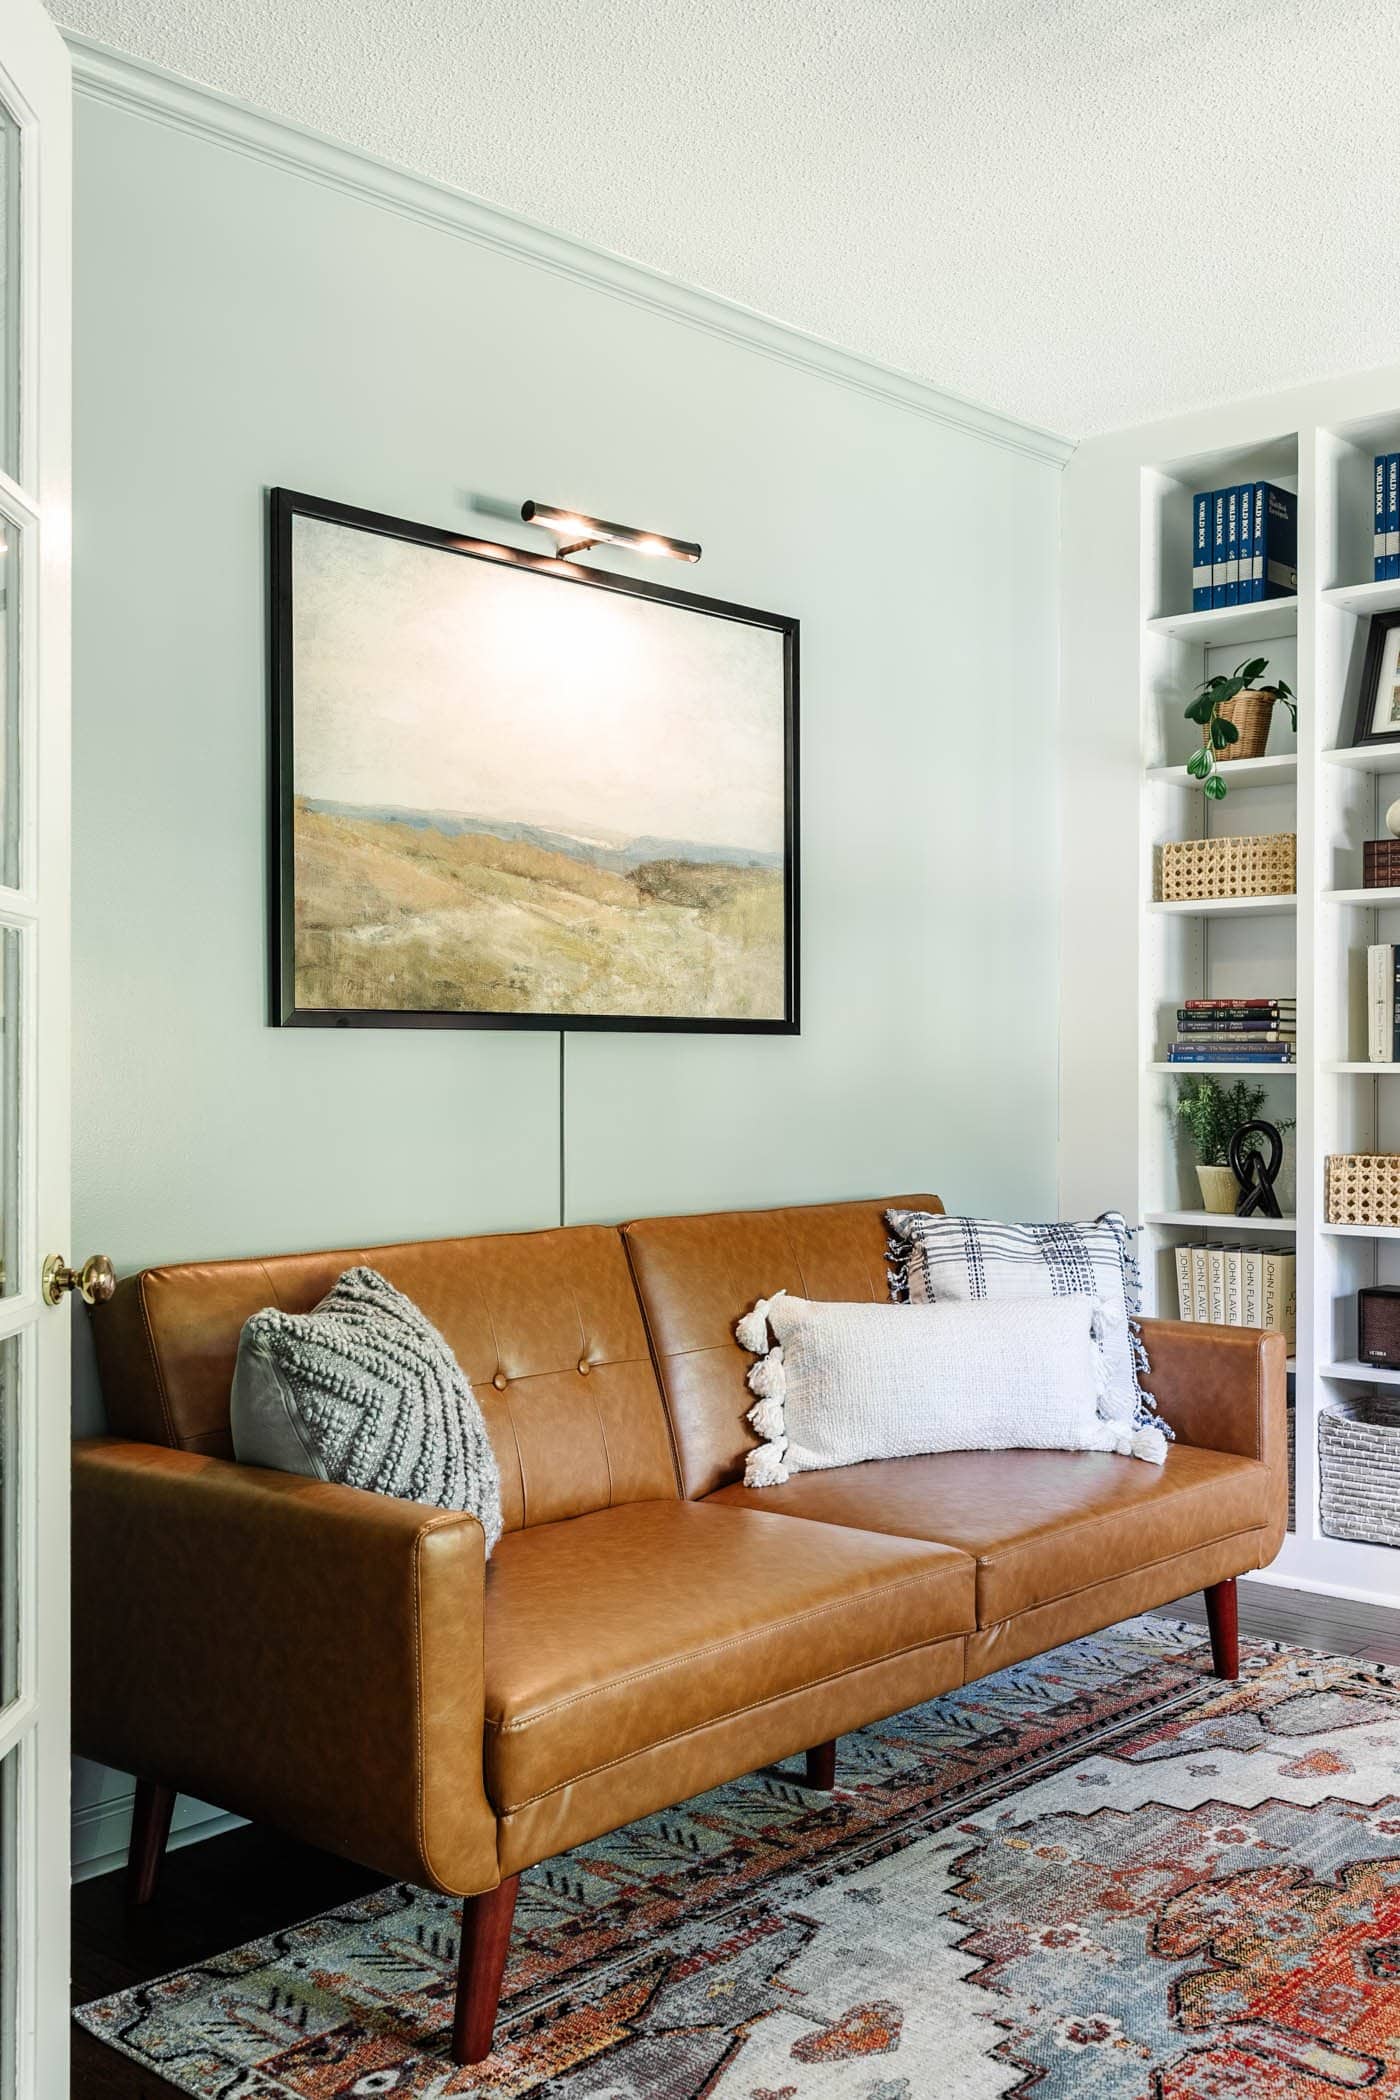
[1252, 1285]
[1279, 559]
[1201, 552]
[1380, 972]
[1199, 1006]
[1378, 526]
[1232, 546]
[1280, 1302]
[1246, 542]
[1232, 1287]
[1200, 1284]
[1236, 1039]
[1392, 985]
[1266, 1054]
[1392, 514]
[1256, 552]
[1225, 1024]
[1217, 547]
[1185, 1299]
[1215, 1271]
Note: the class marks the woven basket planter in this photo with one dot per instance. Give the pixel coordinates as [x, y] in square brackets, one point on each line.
[1363, 1188]
[1358, 1456]
[1189, 869]
[1251, 714]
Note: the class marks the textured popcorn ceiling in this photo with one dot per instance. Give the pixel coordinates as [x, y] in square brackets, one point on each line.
[1084, 213]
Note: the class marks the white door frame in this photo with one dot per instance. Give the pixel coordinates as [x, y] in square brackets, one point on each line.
[35, 84]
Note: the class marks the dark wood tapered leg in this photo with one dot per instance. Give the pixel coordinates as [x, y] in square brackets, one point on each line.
[150, 1827]
[1223, 1614]
[821, 1765]
[486, 1924]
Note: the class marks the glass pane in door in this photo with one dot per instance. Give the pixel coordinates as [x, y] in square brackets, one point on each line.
[11, 554]
[10, 1361]
[9, 294]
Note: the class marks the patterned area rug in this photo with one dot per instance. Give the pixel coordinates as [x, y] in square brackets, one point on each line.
[1102, 1874]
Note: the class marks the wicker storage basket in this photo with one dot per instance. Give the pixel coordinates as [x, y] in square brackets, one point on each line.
[1251, 714]
[1363, 1188]
[1358, 1456]
[1254, 867]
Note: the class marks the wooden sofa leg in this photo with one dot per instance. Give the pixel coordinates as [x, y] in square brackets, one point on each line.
[150, 1828]
[1223, 1614]
[821, 1765]
[486, 1926]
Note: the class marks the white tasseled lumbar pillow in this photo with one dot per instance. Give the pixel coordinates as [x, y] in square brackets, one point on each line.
[836, 1384]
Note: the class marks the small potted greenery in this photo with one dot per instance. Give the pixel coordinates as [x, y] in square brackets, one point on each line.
[1212, 1113]
[1234, 711]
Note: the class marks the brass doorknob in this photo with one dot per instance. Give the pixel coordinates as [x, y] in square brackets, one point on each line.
[94, 1282]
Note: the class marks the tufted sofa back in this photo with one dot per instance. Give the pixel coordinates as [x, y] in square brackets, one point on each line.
[546, 1326]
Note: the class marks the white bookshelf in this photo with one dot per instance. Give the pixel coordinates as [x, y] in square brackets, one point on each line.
[1311, 945]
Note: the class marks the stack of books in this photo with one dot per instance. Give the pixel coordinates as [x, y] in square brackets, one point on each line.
[1386, 530]
[1244, 545]
[1236, 1031]
[1383, 1003]
[1227, 1286]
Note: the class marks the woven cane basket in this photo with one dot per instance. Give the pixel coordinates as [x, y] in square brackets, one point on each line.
[1363, 1188]
[1358, 1456]
[1252, 867]
[1251, 714]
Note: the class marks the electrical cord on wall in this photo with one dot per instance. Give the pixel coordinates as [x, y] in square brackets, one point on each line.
[562, 1040]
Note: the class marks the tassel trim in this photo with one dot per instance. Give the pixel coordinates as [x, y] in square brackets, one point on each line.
[751, 1332]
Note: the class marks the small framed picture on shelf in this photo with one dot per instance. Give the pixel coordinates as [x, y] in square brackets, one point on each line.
[1378, 708]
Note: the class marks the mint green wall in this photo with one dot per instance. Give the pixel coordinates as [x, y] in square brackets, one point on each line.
[239, 325]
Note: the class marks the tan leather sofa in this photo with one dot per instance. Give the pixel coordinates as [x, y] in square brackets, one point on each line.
[349, 1669]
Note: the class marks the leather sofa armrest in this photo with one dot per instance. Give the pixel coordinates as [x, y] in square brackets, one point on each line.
[307, 1655]
[1225, 1389]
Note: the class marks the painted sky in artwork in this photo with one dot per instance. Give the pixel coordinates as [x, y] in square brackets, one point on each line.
[428, 681]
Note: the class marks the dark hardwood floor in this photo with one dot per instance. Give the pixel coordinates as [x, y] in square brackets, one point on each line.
[236, 1887]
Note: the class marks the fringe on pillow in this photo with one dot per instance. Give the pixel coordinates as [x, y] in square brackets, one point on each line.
[767, 1381]
[1146, 1416]
[897, 1268]
[751, 1332]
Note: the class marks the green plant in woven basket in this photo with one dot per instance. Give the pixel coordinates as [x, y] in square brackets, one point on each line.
[1212, 1113]
[1218, 730]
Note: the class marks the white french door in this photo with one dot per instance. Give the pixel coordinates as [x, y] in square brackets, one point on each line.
[35, 269]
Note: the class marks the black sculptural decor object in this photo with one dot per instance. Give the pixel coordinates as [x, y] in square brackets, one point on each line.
[1255, 1174]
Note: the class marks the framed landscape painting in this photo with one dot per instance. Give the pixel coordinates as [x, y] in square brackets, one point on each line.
[512, 792]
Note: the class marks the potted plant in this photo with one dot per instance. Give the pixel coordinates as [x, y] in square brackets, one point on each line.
[1212, 1113]
[1234, 714]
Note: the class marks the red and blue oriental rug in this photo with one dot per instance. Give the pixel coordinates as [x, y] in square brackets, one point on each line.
[1102, 1874]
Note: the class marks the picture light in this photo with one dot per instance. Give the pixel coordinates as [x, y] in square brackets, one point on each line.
[576, 533]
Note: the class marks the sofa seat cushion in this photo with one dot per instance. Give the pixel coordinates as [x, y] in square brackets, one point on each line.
[1039, 1524]
[610, 1633]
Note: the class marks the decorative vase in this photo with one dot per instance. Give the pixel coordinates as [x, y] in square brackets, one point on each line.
[1251, 713]
[1219, 1189]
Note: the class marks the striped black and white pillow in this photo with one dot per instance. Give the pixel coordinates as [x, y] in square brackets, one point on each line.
[934, 1257]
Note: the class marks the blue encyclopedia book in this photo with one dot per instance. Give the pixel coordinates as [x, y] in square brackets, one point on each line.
[1246, 542]
[1201, 551]
[1392, 514]
[1232, 545]
[1277, 521]
[1217, 547]
[1378, 526]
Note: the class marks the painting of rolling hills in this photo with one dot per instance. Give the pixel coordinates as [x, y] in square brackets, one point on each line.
[515, 793]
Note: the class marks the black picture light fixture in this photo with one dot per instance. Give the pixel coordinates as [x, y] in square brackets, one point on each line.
[576, 533]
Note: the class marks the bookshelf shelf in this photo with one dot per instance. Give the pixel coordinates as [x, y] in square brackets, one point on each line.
[1363, 598]
[1221, 1221]
[1237, 1065]
[1213, 907]
[1370, 1374]
[1365, 758]
[1240, 773]
[1360, 1069]
[1361, 1232]
[1364, 900]
[1231, 623]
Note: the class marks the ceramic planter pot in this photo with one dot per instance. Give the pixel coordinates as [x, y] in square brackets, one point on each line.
[1220, 1191]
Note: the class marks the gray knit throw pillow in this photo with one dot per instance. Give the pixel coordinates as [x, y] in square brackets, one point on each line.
[365, 1391]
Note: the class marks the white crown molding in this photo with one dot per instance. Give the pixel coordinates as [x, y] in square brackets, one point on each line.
[145, 90]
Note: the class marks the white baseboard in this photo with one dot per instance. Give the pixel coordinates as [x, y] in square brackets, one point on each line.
[101, 1830]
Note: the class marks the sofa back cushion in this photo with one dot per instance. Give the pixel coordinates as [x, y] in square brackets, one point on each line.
[696, 1276]
[545, 1325]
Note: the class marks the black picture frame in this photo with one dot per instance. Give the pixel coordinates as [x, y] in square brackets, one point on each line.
[1363, 731]
[284, 506]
